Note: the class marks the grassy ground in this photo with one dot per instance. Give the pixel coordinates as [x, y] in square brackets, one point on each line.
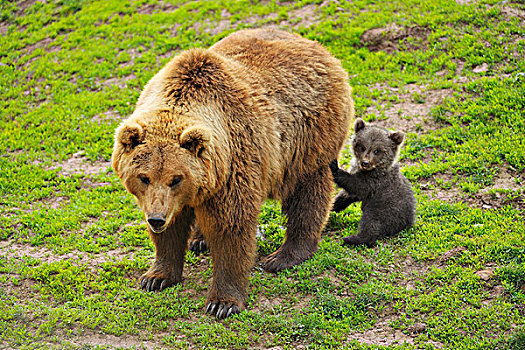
[72, 242]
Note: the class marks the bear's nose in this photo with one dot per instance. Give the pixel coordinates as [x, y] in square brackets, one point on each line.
[156, 221]
[365, 164]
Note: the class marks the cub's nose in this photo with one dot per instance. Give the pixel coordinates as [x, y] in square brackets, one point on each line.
[365, 164]
[156, 221]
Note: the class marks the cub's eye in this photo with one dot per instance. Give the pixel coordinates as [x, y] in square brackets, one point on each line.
[144, 180]
[175, 181]
[377, 151]
[362, 148]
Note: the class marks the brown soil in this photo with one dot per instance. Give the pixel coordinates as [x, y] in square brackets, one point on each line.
[78, 164]
[388, 38]
[410, 115]
[504, 180]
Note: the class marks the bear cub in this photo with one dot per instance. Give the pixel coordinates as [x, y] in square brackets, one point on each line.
[388, 203]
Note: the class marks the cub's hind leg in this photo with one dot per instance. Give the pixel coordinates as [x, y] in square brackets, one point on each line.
[370, 230]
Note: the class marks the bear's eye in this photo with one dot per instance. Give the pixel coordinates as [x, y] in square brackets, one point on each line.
[377, 151]
[144, 180]
[175, 181]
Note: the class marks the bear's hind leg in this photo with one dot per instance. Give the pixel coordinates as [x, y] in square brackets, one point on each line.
[307, 208]
[170, 248]
[197, 243]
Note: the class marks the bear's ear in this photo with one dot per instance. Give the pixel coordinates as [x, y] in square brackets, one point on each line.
[397, 137]
[359, 124]
[195, 140]
[130, 136]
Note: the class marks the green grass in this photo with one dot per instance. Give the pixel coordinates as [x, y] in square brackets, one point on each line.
[73, 243]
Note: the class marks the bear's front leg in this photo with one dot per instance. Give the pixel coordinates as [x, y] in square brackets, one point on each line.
[170, 248]
[232, 247]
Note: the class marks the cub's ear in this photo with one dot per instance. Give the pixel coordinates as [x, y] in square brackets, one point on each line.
[129, 135]
[359, 124]
[397, 137]
[195, 139]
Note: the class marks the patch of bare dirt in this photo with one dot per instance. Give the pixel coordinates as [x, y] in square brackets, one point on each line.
[78, 164]
[162, 6]
[510, 12]
[492, 197]
[410, 114]
[120, 82]
[24, 5]
[4, 26]
[91, 339]
[388, 38]
[44, 44]
[106, 116]
[15, 250]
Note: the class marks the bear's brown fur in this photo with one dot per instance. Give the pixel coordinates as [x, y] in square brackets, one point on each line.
[258, 115]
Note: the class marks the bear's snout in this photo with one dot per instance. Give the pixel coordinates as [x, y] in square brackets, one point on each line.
[157, 222]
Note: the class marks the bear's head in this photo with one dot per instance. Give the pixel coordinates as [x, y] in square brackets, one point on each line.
[166, 161]
[375, 147]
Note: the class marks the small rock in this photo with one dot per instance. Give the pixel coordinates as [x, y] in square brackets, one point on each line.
[417, 327]
[498, 291]
[485, 275]
[402, 337]
[480, 69]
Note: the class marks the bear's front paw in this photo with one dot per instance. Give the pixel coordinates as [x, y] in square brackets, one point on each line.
[198, 246]
[222, 309]
[154, 281]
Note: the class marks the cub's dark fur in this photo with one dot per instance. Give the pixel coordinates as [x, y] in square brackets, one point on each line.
[388, 203]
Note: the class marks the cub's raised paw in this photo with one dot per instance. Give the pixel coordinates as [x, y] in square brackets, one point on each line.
[334, 167]
[222, 309]
[153, 282]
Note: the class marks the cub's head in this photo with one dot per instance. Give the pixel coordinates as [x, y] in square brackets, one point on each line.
[375, 147]
[164, 161]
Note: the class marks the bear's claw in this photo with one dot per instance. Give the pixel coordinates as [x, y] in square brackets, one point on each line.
[198, 246]
[151, 284]
[221, 310]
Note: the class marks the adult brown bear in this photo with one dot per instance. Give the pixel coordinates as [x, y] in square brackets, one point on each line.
[260, 114]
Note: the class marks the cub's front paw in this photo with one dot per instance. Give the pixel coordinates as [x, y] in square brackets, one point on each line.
[334, 167]
[152, 281]
[223, 308]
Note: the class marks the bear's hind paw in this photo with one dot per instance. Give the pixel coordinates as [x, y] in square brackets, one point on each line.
[199, 246]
